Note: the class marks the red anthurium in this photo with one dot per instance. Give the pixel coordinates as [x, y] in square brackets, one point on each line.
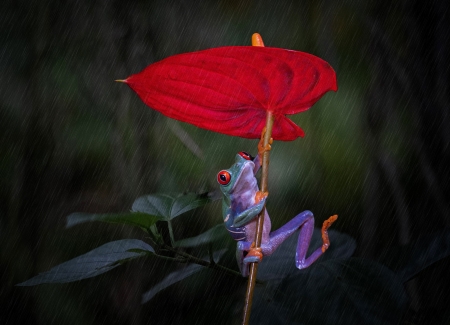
[230, 89]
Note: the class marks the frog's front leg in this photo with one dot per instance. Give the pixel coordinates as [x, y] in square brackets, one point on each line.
[249, 214]
[246, 252]
[304, 221]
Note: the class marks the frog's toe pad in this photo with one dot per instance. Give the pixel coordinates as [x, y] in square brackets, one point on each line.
[259, 196]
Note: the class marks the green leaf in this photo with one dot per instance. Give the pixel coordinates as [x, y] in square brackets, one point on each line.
[172, 278]
[139, 219]
[339, 291]
[177, 276]
[169, 206]
[408, 260]
[97, 261]
[216, 233]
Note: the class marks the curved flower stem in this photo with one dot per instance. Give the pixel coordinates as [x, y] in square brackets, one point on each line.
[260, 222]
[257, 41]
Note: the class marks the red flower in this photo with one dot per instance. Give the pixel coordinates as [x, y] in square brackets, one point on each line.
[229, 89]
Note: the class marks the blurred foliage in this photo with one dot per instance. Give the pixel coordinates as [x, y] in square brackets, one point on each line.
[376, 152]
[349, 290]
[336, 289]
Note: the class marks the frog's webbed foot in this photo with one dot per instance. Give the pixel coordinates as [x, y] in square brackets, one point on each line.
[261, 147]
[326, 224]
[254, 255]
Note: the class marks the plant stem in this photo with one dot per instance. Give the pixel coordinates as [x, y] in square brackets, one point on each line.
[260, 221]
[192, 259]
[172, 238]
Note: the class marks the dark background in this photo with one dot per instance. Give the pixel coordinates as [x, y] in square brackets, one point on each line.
[71, 139]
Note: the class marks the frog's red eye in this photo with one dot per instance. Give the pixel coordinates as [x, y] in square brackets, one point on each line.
[245, 155]
[223, 177]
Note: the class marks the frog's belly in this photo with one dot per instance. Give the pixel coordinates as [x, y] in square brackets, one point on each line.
[250, 229]
[237, 233]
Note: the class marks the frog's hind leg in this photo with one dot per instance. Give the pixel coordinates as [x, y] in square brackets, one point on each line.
[304, 221]
[241, 249]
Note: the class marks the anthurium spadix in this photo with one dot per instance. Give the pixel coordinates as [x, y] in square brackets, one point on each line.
[230, 89]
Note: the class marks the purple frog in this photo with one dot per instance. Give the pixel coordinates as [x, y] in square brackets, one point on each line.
[242, 202]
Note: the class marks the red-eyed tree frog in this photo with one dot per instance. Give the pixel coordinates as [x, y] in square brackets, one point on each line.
[242, 202]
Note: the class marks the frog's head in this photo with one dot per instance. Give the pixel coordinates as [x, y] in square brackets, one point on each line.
[239, 177]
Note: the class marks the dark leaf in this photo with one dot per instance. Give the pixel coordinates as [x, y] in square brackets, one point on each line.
[407, 261]
[97, 261]
[177, 276]
[336, 291]
[139, 219]
[169, 206]
[216, 233]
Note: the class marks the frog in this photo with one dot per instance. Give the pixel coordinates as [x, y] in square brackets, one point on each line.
[241, 204]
